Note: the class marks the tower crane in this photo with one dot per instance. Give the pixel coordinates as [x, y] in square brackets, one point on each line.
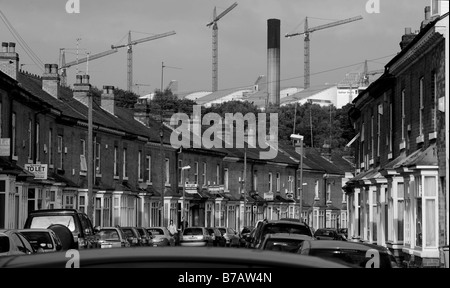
[306, 32]
[129, 45]
[364, 80]
[64, 65]
[215, 56]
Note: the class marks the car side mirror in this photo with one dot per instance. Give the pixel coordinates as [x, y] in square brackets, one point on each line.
[58, 247]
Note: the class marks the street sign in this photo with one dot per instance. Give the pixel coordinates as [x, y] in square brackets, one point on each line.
[39, 170]
[5, 146]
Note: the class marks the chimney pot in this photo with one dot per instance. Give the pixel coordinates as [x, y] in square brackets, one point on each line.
[4, 47]
[408, 31]
[78, 79]
[12, 47]
[54, 68]
[47, 68]
[85, 79]
[427, 12]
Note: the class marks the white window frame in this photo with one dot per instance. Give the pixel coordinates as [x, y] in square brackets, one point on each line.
[278, 182]
[204, 173]
[167, 171]
[140, 171]
[225, 178]
[196, 172]
[218, 174]
[270, 182]
[50, 147]
[116, 162]
[14, 136]
[38, 126]
[149, 168]
[316, 190]
[124, 163]
[60, 149]
[30, 140]
[421, 107]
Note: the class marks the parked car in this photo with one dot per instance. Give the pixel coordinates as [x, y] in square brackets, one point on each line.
[218, 239]
[145, 236]
[175, 257]
[231, 236]
[78, 223]
[196, 237]
[133, 236]
[112, 237]
[343, 231]
[245, 233]
[278, 226]
[328, 234]
[161, 236]
[42, 240]
[14, 243]
[353, 254]
[284, 242]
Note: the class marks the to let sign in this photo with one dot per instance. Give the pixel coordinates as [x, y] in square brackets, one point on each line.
[39, 170]
[5, 146]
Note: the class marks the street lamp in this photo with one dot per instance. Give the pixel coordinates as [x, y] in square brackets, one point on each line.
[298, 137]
[184, 193]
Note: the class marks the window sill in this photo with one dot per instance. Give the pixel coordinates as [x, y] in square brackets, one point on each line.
[140, 180]
[51, 166]
[82, 173]
[15, 157]
[125, 178]
[167, 184]
[432, 135]
[30, 161]
[116, 177]
[98, 175]
[389, 156]
[149, 183]
[371, 162]
[402, 145]
[420, 139]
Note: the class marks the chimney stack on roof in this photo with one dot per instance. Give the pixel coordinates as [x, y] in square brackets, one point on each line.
[407, 38]
[107, 102]
[9, 60]
[50, 80]
[81, 89]
[427, 17]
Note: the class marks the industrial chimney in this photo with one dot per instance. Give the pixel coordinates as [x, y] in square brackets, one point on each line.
[273, 61]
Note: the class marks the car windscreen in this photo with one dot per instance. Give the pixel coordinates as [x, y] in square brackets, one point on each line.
[128, 232]
[4, 244]
[141, 232]
[156, 231]
[46, 220]
[108, 235]
[38, 239]
[273, 228]
[320, 232]
[193, 231]
[283, 245]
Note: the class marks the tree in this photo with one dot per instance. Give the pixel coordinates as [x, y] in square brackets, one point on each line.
[124, 98]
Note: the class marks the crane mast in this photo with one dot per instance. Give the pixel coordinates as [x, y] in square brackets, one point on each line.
[129, 45]
[307, 48]
[215, 46]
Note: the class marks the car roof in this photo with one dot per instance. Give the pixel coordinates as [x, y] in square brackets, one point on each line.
[333, 244]
[285, 222]
[289, 236]
[35, 230]
[179, 256]
[43, 211]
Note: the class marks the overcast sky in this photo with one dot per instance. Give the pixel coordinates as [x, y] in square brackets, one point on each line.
[46, 27]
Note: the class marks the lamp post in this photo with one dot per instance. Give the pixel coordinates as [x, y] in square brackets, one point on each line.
[184, 192]
[300, 138]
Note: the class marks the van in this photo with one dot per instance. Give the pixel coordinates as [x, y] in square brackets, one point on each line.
[78, 223]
